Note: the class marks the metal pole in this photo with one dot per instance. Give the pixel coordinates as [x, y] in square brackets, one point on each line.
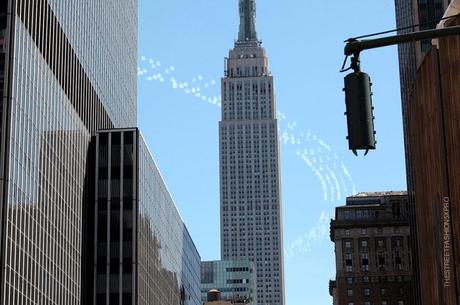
[356, 46]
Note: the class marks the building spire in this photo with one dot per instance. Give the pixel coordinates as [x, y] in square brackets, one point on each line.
[247, 21]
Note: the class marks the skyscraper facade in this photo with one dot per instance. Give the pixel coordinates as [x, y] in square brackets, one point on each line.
[143, 253]
[67, 69]
[250, 188]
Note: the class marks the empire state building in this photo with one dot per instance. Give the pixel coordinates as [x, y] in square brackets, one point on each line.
[250, 188]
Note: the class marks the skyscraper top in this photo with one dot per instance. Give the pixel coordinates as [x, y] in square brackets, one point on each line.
[247, 21]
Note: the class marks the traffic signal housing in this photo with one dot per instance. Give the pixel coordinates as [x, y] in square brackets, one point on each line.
[360, 117]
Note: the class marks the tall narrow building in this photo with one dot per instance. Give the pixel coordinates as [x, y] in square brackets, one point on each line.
[250, 188]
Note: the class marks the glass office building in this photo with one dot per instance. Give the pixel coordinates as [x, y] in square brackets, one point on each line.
[67, 69]
[235, 280]
[414, 15]
[143, 253]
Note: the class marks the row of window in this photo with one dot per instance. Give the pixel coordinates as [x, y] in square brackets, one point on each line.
[381, 243]
[247, 71]
[367, 292]
[380, 261]
[378, 279]
[249, 207]
[354, 214]
[237, 269]
[237, 281]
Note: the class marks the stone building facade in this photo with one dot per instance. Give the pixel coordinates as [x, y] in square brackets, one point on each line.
[373, 251]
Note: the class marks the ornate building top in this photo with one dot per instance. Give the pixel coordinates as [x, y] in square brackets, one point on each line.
[247, 33]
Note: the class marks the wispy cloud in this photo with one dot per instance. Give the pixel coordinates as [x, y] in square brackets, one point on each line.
[198, 87]
[315, 234]
[319, 157]
[333, 176]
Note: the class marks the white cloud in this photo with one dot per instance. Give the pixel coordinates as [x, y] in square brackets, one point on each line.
[336, 182]
[313, 151]
[315, 234]
[347, 174]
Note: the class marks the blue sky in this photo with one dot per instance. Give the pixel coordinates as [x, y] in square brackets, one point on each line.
[182, 45]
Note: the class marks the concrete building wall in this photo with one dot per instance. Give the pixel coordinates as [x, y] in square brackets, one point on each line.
[409, 14]
[433, 136]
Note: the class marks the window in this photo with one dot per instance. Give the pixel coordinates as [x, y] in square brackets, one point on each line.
[380, 242]
[347, 232]
[349, 280]
[384, 303]
[348, 244]
[383, 291]
[365, 261]
[400, 302]
[364, 243]
[127, 299]
[366, 214]
[350, 292]
[348, 262]
[381, 259]
[398, 260]
[367, 292]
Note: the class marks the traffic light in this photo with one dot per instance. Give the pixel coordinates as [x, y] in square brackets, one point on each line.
[360, 117]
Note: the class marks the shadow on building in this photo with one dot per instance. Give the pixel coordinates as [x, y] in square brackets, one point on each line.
[432, 134]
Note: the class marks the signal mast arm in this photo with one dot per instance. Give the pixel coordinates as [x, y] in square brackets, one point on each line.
[354, 47]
